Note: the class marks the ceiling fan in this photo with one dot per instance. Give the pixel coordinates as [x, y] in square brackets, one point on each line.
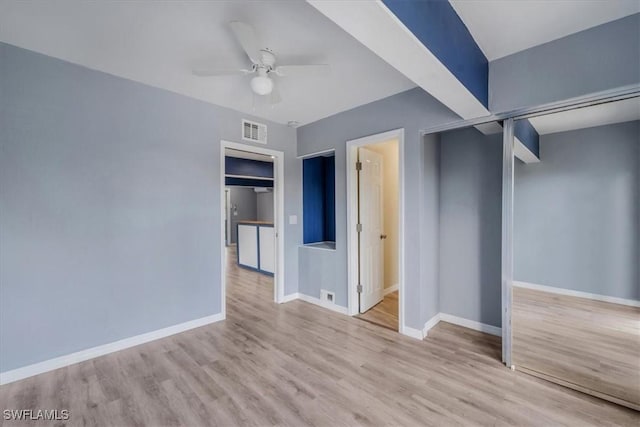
[263, 65]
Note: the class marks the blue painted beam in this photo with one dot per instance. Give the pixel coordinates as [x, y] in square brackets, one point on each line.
[247, 167]
[247, 182]
[439, 28]
[527, 134]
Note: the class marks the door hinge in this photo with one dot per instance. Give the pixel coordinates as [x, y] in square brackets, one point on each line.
[358, 166]
[359, 289]
[359, 228]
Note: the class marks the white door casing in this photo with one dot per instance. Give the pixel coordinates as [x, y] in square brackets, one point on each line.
[371, 263]
[278, 228]
[352, 221]
[227, 216]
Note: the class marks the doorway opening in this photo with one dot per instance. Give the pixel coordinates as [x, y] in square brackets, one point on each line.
[375, 215]
[252, 222]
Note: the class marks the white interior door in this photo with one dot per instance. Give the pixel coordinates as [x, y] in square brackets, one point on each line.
[371, 263]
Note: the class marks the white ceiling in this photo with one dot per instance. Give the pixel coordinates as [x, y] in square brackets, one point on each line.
[502, 27]
[596, 115]
[158, 43]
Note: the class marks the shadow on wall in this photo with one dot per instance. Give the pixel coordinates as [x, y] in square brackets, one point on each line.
[490, 216]
[471, 225]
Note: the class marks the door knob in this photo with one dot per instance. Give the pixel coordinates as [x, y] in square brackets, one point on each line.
[383, 236]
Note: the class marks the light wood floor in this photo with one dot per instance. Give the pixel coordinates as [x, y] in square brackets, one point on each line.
[591, 345]
[297, 364]
[385, 313]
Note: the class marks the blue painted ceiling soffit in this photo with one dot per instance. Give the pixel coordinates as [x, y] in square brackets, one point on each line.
[248, 182]
[439, 28]
[527, 134]
[247, 167]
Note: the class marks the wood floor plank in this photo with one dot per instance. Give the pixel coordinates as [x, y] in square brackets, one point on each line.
[385, 313]
[297, 364]
[593, 345]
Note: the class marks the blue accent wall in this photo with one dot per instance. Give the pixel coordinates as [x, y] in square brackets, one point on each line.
[247, 167]
[312, 199]
[437, 25]
[527, 134]
[318, 199]
[329, 199]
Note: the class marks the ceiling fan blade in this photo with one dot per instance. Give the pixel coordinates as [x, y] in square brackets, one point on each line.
[275, 98]
[303, 70]
[246, 37]
[220, 71]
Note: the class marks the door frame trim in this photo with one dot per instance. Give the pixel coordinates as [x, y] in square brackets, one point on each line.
[352, 219]
[227, 205]
[508, 178]
[278, 216]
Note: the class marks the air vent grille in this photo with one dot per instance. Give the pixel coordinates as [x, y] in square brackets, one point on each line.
[255, 132]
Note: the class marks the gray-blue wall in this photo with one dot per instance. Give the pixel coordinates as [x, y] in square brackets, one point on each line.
[244, 207]
[471, 225]
[429, 257]
[265, 208]
[598, 59]
[412, 110]
[110, 221]
[577, 212]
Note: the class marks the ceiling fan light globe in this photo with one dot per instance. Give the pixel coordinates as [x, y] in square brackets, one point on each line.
[262, 85]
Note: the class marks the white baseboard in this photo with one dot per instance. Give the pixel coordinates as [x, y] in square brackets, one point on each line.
[579, 294]
[333, 307]
[443, 317]
[390, 289]
[471, 324]
[90, 353]
[290, 297]
[411, 332]
[421, 334]
[430, 324]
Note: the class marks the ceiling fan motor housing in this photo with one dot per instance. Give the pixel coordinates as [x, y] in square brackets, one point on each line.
[267, 58]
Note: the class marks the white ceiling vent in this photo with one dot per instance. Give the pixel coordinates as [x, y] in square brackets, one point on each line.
[254, 132]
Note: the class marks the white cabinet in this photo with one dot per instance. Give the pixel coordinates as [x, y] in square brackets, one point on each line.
[257, 246]
[267, 249]
[247, 246]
